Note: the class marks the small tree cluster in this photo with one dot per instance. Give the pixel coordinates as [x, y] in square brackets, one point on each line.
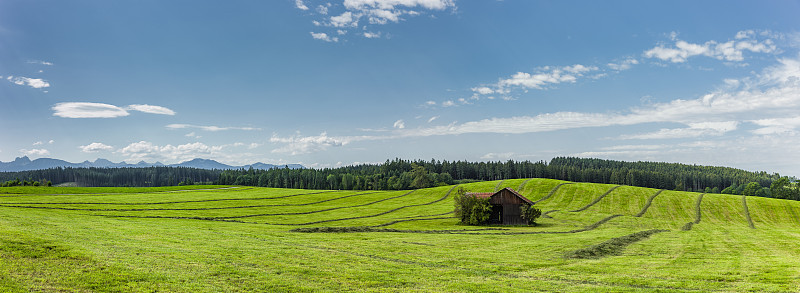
[530, 213]
[470, 209]
[31, 182]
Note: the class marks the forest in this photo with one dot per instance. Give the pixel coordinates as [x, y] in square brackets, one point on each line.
[399, 174]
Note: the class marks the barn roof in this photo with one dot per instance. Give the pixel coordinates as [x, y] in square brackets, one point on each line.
[490, 194]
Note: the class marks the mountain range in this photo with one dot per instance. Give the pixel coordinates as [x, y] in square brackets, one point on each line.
[26, 164]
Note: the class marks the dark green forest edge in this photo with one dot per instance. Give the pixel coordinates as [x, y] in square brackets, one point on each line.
[401, 174]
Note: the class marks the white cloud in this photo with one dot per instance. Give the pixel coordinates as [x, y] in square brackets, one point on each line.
[371, 35]
[497, 156]
[375, 12]
[151, 109]
[433, 118]
[694, 130]
[732, 50]
[51, 141]
[297, 144]
[40, 62]
[101, 110]
[88, 110]
[36, 83]
[208, 128]
[399, 124]
[34, 152]
[95, 147]
[300, 5]
[483, 90]
[38, 143]
[448, 103]
[144, 150]
[324, 37]
[623, 65]
[777, 125]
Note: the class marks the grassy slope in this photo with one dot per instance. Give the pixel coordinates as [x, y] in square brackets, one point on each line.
[79, 250]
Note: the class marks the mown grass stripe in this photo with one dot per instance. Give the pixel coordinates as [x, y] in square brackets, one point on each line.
[697, 215]
[186, 209]
[165, 202]
[552, 191]
[379, 214]
[596, 200]
[648, 203]
[519, 189]
[747, 212]
[410, 220]
[547, 213]
[358, 229]
[497, 187]
[613, 246]
[238, 188]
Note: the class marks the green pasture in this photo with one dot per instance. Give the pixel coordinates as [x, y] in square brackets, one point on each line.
[237, 239]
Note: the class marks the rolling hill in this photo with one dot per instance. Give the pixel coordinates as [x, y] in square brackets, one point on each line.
[593, 237]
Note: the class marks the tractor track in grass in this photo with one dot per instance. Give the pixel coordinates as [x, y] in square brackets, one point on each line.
[596, 200]
[358, 229]
[547, 213]
[552, 191]
[165, 202]
[497, 187]
[648, 203]
[187, 209]
[127, 193]
[519, 189]
[425, 216]
[697, 215]
[747, 212]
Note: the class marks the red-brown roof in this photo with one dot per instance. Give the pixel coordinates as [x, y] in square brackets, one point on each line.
[490, 194]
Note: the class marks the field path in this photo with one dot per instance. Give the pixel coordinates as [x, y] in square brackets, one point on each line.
[648, 203]
[553, 191]
[747, 212]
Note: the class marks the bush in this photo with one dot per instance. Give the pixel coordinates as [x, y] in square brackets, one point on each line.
[529, 213]
[470, 209]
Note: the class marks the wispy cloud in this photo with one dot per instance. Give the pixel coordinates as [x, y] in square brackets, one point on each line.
[144, 150]
[731, 50]
[324, 37]
[297, 144]
[34, 152]
[694, 130]
[95, 147]
[364, 14]
[40, 62]
[101, 110]
[208, 128]
[36, 83]
[399, 124]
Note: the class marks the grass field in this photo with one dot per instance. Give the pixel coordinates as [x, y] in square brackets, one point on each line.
[228, 239]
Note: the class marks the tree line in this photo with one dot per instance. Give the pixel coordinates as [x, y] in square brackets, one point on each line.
[119, 177]
[399, 174]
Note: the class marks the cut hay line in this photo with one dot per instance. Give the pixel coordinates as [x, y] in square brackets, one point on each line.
[126, 193]
[188, 209]
[410, 220]
[358, 229]
[382, 213]
[552, 191]
[648, 203]
[497, 187]
[688, 226]
[425, 216]
[596, 200]
[547, 214]
[613, 246]
[258, 215]
[519, 189]
[747, 212]
[165, 202]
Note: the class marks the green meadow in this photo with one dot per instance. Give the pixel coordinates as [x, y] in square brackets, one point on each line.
[230, 238]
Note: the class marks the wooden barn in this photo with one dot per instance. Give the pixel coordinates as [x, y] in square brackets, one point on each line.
[506, 205]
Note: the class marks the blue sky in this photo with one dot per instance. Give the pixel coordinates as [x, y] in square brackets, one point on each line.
[327, 83]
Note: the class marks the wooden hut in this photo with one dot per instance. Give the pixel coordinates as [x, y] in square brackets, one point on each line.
[506, 205]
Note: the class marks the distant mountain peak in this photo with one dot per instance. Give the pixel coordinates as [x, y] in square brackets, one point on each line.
[25, 164]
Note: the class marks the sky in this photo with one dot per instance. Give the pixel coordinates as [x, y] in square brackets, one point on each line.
[332, 83]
